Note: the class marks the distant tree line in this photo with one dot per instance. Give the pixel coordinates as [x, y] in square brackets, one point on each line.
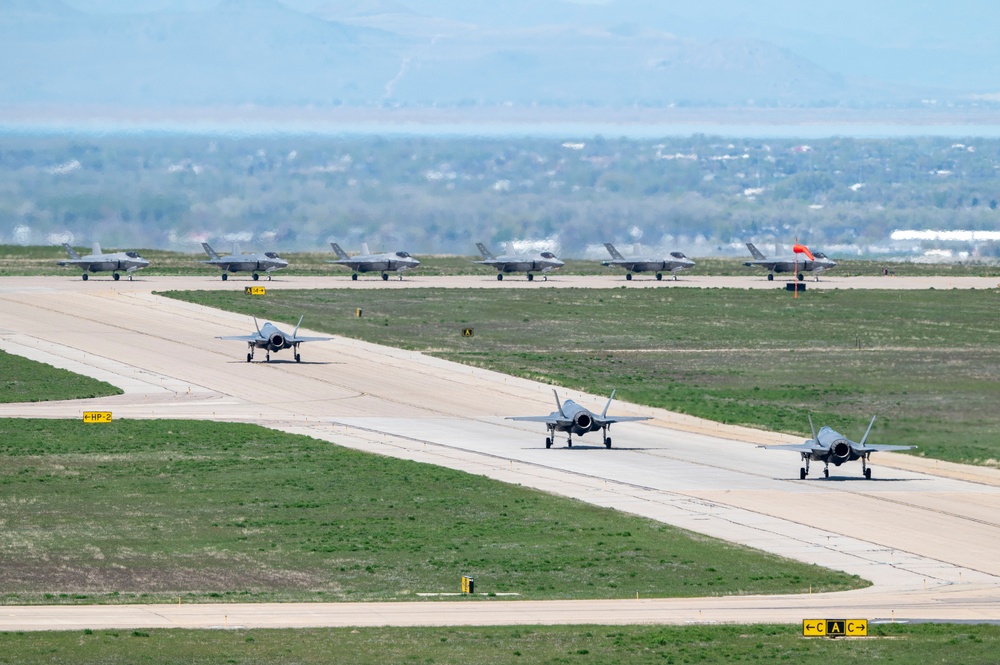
[440, 195]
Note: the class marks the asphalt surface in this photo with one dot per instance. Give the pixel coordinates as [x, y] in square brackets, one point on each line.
[926, 533]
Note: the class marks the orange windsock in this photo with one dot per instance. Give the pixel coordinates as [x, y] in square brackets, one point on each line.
[802, 249]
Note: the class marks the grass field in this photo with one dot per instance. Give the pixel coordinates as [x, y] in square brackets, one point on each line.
[632, 645]
[23, 380]
[152, 510]
[926, 362]
[41, 260]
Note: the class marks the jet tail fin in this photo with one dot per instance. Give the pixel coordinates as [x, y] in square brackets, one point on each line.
[96, 249]
[811, 426]
[757, 254]
[341, 254]
[295, 333]
[257, 326]
[865, 437]
[70, 251]
[604, 413]
[208, 250]
[615, 254]
[236, 249]
[364, 249]
[487, 254]
[558, 403]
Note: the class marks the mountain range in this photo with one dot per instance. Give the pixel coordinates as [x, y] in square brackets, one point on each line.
[433, 53]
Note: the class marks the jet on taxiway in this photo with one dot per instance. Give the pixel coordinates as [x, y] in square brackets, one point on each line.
[675, 263]
[575, 419]
[802, 260]
[830, 446]
[237, 262]
[367, 262]
[271, 338]
[542, 262]
[98, 261]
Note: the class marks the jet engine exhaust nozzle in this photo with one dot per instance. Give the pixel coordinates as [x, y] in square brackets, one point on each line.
[583, 421]
[841, 449]
[276, 342]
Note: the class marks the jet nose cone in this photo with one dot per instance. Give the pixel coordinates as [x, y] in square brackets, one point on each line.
[557, 263]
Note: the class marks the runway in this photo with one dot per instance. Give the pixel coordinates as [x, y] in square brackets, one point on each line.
[612, 280]
[925, 533]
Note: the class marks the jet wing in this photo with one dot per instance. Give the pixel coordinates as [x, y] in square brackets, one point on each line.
[243, 338]
[621, 419]
[881, 448]
[541, 419]
[295, 340]
[798, 448]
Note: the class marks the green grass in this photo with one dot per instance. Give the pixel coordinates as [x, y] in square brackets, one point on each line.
[926, 362]
[152, 510]
[41, 260]
[23, 380]
[633, 645]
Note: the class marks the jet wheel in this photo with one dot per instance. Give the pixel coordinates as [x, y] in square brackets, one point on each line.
[115, 276]
[385, 277]
[628, 277]
[868, 474]
[548, 442]
[770, 277]
[354, 277]
[298, 358]
[659, 277]
[499, 276]
[531, 277]
[85, 277]
[224, 277]
[249, 357]
[570, 443]
[826, 473]
[802, 473]
[607, 442]
[801, 277]
[255, 277]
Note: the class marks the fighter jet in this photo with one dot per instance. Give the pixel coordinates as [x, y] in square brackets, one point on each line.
[676, 262]
[97, 261]
[270, 338]
[368, 262]
[526, 263]
[237, 262]
[830, 446]
[575, 419]
[801, 261]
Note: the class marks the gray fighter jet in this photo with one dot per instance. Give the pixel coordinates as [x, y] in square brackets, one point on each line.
[799, 262]
[237, 262]
[368, 262]
[675, 263]
[542, 262]
[270, 338]
[831, 446]
[97, 261]
[575, 419]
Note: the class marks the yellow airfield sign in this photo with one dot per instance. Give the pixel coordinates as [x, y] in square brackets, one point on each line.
[254, 290]
[97, 416]
[835, 627]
